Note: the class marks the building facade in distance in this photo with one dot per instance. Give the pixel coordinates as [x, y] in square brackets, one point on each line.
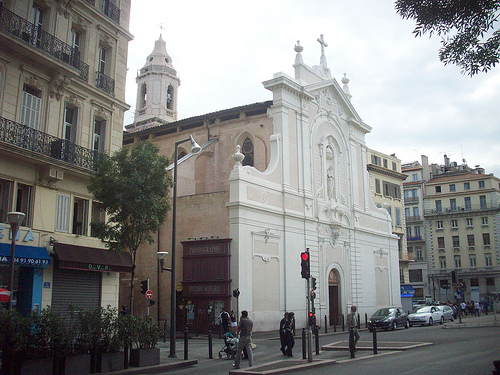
[62, 92]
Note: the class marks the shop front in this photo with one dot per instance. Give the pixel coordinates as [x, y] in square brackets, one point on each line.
[29, 262]
[206, 284]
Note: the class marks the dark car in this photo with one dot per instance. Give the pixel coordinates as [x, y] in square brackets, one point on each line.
[388, 318]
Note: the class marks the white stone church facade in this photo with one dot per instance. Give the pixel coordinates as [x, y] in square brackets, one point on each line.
[311, 190]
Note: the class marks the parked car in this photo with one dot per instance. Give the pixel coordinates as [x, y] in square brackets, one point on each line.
[389, 318]
[427, 315]
[447, 312]
[419, 304]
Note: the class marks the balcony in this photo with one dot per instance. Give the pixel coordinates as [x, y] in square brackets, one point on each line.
[105, 83]
[462, 210]
[413, 218]
[411, 199]
[42, 143]
[111, 10]
[414, 238]
[42, 40]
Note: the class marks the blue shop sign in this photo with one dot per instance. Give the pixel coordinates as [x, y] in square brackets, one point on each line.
[29, 256]
[407, 291]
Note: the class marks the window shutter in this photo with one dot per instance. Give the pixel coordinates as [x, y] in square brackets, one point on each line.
[62, 219]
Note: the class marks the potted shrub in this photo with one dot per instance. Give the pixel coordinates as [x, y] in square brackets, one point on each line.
[146, 336]
[110, 357]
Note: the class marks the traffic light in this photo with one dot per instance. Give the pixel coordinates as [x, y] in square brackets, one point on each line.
[311, 319]
[313, 279]
[236, 292]
[144, 286]
[305, 264]
[152, 302]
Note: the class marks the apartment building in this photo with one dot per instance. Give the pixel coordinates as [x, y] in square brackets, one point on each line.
[62, 99]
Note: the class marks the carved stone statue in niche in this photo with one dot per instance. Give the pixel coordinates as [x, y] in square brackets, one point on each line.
[330, 182]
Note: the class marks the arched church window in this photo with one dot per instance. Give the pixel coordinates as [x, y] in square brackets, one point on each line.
[144, 95]
[247, 150]
[170, 97]
[181, 155]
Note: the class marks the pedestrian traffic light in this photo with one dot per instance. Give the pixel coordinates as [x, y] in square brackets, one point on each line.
[311, 319]
[313, 280]
[305, 264]
[144, 286]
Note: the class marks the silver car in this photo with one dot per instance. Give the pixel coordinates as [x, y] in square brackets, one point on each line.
[447, 312]
[427, 315]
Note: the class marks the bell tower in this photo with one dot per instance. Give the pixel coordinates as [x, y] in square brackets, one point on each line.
[157, 88]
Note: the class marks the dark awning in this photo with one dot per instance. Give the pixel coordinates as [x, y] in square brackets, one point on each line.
[92, 259]
[31, 256]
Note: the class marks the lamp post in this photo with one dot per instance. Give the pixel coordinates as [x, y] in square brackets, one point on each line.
[14, 219]
[195, 148]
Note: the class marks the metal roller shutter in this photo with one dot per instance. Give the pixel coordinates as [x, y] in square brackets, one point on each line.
[79, 288]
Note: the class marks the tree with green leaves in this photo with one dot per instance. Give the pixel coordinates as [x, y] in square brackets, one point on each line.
[467, 29]
[133, 187]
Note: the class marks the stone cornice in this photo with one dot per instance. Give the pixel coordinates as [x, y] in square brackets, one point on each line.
[387, 172]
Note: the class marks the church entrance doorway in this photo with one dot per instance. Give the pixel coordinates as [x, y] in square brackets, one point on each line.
[334, 294]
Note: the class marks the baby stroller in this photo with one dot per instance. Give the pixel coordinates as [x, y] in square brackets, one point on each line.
[230, 346]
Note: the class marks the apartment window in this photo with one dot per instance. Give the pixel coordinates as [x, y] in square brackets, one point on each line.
[62, 212]
[377, 186]
[490, 281]
[486, 239]
[376, 160]
[440, 242]
[442, 262]
[481, 184]
[98, 216]
[453, 204]
[472, 261]
[37, 15]
[439, 224]
[468, 222]
[414, 193]
[488, 260]
[77, 38]
[474, 282]
[484, 221]
[398, 217]
[389, 209]
[458, 261]
[247, 150]
[80, 216]
[468, 205]
[418, 254]
[385, 163]
[30, 107]
[417, 231]
[414, 177]
[456, 241]
[438, 189]
[482, 201]
[415, 276]
[452, 187]
[454, 224]
[98, 138]
[408, 232]
[466, 185]
[407, 213]
[144, 96]
[6, 187]
[470, 240]
[24, 202]
[439, 207]
[102, 66]
[394, 166]
[70, 122]
[416, 213]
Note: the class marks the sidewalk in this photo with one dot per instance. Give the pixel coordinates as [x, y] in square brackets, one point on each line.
[333, 353]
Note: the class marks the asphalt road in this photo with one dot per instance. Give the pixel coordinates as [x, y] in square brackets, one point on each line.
[453, 351]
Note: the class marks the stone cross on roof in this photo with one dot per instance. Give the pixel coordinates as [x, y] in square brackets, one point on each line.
[322, 60]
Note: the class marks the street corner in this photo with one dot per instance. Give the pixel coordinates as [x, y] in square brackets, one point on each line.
[282, 367]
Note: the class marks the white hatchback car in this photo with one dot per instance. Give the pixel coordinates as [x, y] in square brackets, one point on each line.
[447, 312]
[427, 315]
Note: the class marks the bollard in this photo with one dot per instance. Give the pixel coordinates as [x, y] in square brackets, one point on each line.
[351, 342]
[366, 320]
[343, 323]
[210, 344]
[375, 345]
[316, 339]
[326, 324]
[334, 324]
[304, 350]
[165, 331]
[186, 343]
[359, 322]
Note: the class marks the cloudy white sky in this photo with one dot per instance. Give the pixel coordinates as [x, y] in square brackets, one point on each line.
[224, 50]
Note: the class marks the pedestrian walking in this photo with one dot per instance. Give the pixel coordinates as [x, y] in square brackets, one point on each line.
[289, 339]
[234, 324]
[352, 323]
[224, 320]
[245, 330]
[282, 332]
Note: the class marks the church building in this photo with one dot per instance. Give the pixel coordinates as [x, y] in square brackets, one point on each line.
[272, 179]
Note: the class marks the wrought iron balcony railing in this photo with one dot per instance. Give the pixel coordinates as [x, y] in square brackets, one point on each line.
[34, 35]
[111, 10]
[465, 209]
[105, 83]
[42, 143]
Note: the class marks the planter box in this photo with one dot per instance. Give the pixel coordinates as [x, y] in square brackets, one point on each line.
[144, 357]
[110, 362]
[42, 366]
[77, 365]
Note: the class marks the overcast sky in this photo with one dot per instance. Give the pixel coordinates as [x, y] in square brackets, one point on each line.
[224, 50]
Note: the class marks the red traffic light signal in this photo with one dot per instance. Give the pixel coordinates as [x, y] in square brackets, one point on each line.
[311, 319]
[305, 265]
